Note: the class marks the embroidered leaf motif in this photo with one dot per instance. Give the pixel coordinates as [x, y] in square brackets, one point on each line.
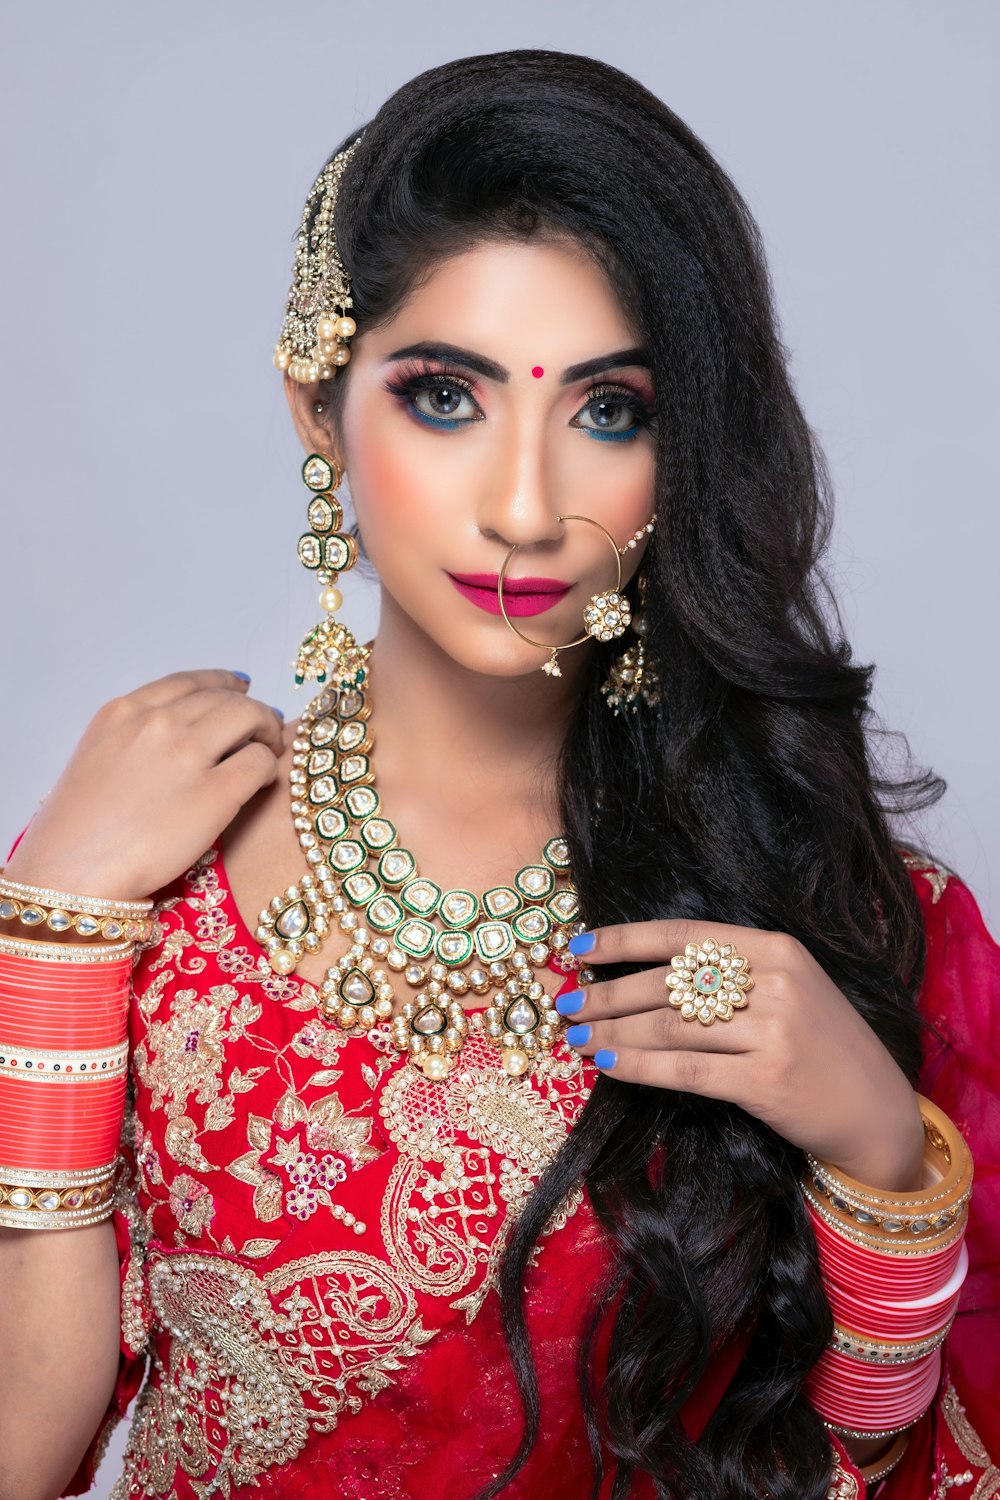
[290, 1111]
[259, 1132]
[369, 1075]
[267, 1200]
[302, 1002]
[257, 1249]
[247, 1168]
[242, 1083]
[243, 1015]
[220, 1113]
[324, 1078]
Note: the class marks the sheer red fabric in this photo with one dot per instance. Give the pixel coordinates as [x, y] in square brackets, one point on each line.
[308, 1246]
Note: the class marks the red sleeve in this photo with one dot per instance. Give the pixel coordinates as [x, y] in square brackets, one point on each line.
[960, 1001]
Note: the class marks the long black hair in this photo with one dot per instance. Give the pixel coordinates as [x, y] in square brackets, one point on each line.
[752, 796]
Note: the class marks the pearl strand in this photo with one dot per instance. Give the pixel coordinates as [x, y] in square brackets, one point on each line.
[634, 541]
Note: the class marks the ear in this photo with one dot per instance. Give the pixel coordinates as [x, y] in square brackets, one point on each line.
[316, 434]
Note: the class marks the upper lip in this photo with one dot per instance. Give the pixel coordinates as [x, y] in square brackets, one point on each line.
[513, 585]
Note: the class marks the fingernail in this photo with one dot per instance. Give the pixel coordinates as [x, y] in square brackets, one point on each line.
[582, 943]
[577, 1036]
[244, 675]
[279, 711]
[571, 1002]
[604, 1057]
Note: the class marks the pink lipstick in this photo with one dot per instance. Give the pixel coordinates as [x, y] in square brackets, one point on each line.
[521, 596]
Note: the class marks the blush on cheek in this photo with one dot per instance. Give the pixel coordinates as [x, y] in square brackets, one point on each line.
[385, 482]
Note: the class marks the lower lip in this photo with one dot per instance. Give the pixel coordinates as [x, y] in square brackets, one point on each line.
[515, 604]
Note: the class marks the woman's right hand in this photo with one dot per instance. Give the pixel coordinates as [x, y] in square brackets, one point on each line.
[156, 777]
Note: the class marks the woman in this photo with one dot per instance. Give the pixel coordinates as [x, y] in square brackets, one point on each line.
[591, 1127]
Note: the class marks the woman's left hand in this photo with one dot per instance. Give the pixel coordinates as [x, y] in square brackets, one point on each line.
[798, 1056]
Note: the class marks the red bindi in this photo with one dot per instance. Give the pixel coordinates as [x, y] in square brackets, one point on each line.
[537, 371]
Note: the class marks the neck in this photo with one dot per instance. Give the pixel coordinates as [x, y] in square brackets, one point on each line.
[492, 740]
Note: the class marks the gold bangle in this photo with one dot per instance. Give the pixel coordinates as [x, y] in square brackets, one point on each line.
[100, 906]
[65, 953]
[872, 1351]
[56, 1200]
[925, 1239]
[941, 1138]
[880, 1467]
[926, 1213]
[86, 916]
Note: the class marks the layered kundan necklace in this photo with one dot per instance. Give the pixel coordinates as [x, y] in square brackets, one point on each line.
[404, 929]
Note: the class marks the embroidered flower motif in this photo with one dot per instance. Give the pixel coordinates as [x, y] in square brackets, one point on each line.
[302, 1201]
[191, 1204]
[330, 1171]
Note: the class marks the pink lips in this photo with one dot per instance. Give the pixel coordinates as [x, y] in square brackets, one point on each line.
[521, 596]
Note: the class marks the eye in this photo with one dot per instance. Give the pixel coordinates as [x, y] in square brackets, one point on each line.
[616, 413]
[439, 398]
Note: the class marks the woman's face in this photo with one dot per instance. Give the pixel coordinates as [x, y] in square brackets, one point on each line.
[507, 392]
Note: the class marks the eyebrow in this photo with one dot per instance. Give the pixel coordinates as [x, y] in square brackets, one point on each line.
[428, 349]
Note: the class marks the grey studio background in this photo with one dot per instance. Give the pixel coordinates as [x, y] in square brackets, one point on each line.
[155, 165]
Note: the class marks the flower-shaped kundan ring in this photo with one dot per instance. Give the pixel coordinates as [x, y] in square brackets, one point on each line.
[707, 983]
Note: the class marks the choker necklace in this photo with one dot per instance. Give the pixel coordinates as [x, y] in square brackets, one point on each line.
[404, 929]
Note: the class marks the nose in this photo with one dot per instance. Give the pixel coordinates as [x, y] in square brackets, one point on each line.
[518, 505]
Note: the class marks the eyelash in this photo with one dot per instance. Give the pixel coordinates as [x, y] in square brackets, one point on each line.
[412, 379]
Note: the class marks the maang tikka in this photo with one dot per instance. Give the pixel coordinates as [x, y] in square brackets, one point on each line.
[313, 343]
[312, 347]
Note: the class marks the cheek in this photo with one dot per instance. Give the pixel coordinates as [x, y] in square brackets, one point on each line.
[393, 486]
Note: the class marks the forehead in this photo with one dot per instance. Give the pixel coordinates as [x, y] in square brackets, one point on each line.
[499, 294]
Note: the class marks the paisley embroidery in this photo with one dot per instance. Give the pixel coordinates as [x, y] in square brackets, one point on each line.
[253, 1363]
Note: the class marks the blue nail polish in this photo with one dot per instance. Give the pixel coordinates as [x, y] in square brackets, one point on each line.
[571, 1002]
[279, 711]
[605, 1058]
[582, 943]
[577, 1036]
[244, 675]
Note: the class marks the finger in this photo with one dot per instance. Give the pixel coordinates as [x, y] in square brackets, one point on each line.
[226, 726]
[237, 778]
[640, 1010]
[714, 1075]
[652, 942]
[661, 1029]
[179, 684]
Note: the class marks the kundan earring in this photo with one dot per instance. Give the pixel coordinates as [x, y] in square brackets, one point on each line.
[329, 649]
[605, 616]
[634, 677]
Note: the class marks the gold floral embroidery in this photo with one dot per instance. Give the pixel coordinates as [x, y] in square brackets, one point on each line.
[252, 1362]
[937, 875]
[971, 1447]
[843, 1486]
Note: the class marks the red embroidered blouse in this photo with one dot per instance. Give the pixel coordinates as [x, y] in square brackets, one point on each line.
[308, 1244]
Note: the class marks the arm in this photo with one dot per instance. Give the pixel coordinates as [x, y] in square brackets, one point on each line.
[58, 1355]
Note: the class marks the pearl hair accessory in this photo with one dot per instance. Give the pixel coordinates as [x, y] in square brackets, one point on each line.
[313, 342]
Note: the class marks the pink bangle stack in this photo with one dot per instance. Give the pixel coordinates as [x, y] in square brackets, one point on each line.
[893, 1267]
[63, 1076]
